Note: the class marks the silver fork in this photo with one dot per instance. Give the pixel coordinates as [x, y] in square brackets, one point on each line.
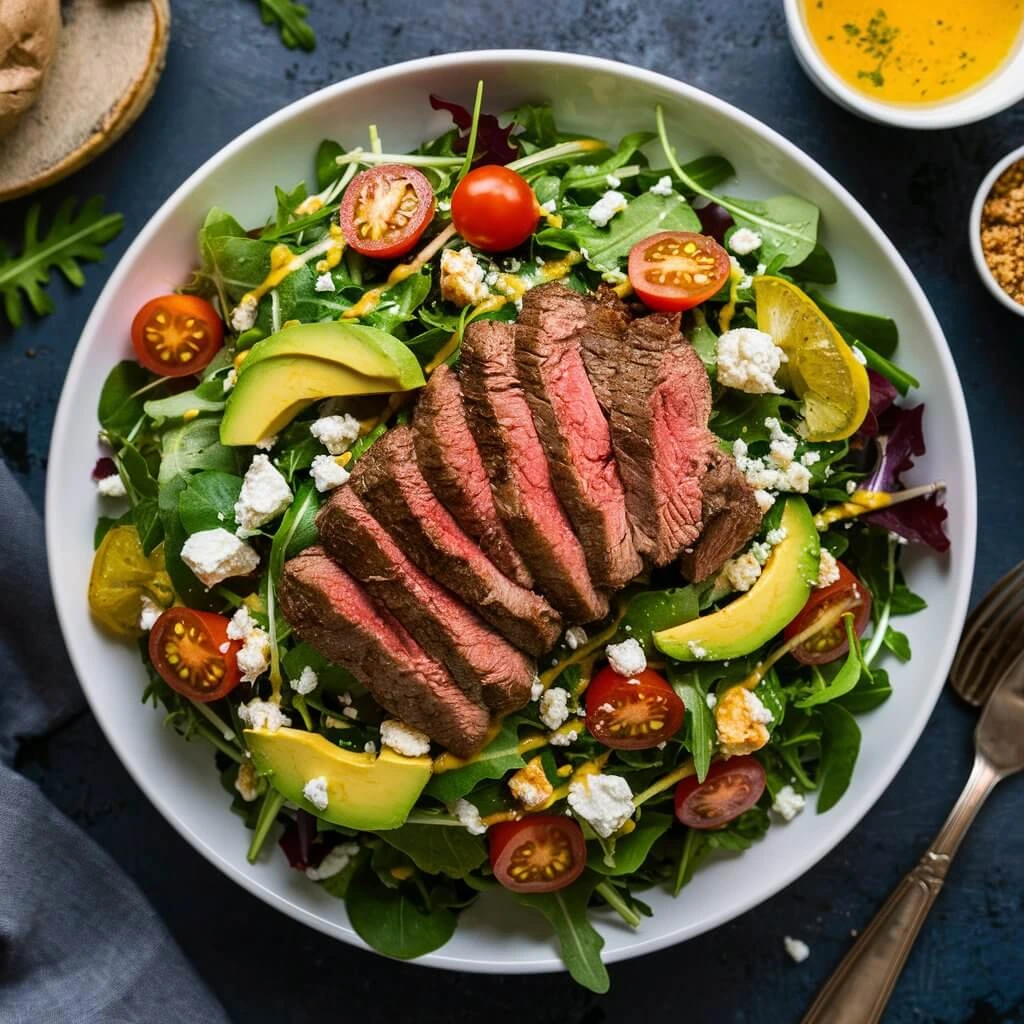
[989, 661]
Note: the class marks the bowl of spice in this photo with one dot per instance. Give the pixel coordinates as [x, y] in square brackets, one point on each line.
[997, 231]
[912, 63]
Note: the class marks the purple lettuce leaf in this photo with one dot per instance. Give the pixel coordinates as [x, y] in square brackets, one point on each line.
[883, 394]
[298, 842]
[105, 466]
[493, 143]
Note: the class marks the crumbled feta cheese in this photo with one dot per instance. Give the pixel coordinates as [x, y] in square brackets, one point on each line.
[512, 265]
[748, 360]
[254, 657]
[403, 739]
[768, 474]
[336, 860]
[243, 316]
[369, 747]
[247, 782]
[696, 649]
[327, 474]
[324, 283]
[606, 207]
[828, 569]
[462, 277]
[858, 355]
[764, 499]
[743, 241]
[315, 791]
[743, 572]
[307, 681]
[537, 689]
[563, 739]
[492, 278]
[217, 555]
[761, 550]
[554, 707]
[266, 443]
[149, 612]
[711, 700]
[788, 803]
[851, 486]
[265, 495]
[741, 718]
[627, 658]
[111, 486]
[549, 206]
[335, 433]
[575, 637]
[810, 458]
[531, 786]
[263, 714]
[799, 951]
[776, 536]
[230, 380]
[662, 187]
[352, 713]
[604, 801]
[241, 624]
[612, 181]
[346, 699]
[469, 815]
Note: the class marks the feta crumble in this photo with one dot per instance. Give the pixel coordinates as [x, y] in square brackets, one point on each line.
[612, 181]
[266, 443]
[230, 379]
[327, 474]
[324, 283]
[741, 721]
[548, 207]
[149, 612]
[335, 861]
[265, 495]
[369, 747]
[575, 637]
[403, 739]
[748, 360]
[217, 555]
[307, 681]
[563, 739]
[462, 277]
[627, 658]
[764, 499]
[810, 458]
[111, 487]
[776, 536]
[254, 657]
[761, 550]
[767, 474]
[352, 713]
[243, 316]
[335, 433]
[788, 803]
[554, 707]
[606, 207]
[315, 791]
[537, 689]
[662, 187]
[743, 572]
[696, 649]
[828, 569]
[858, 355]
[469, 815]
[711, 700]
[263, 714]
[604, 801]
[851, 486]
[744, 241]
[247, 782]
[530, 786]
[798, 950]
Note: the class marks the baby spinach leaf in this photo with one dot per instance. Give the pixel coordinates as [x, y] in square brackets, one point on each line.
[738, 416]
[592, 176]
[135, 470]
[845, 679]
[878, 332]
[566, 912]
[331, 678]
[536, 122]
[840, 745]
[186, 586]
[500, 756]
[704, 340]
[818, 267]
[770, 693]
[232, 264]
[194, 446]
[173, 407]
[869, 693]
[120, 405]
[392, 921]
[208, 502]
[651, 610]
[699, 725]
[327, 169]
[146, 516]
[898, 643]
[438, 849]
[631, 851]
[905, 602]
[788, 225]
[707, 171]
[297, 530]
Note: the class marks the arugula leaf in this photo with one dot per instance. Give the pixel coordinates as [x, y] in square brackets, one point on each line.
[739, 416]
[904, 601]
[438, 849]
[652, 610]
[500, 756]
[208, 502]
[327, 169]
[699, 735]
[591, 176]
[631, 851]
[150, 527]
[536, 123]
[194, 446]
[704, 340]
[707, 171]
[872, 691]
[297, 530]
[121, 406]
[691, 853]
[840, 745]
[566, 912]
[173, 407]
[70, 240]
[878, 332]
[331, 678]
[898, 643]
[845, 679]
[290, 19]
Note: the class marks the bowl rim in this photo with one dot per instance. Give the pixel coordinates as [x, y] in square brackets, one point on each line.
[835, 831]
[974, 227]
[998, 90]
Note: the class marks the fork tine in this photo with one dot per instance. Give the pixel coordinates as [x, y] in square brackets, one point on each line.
[990, 606]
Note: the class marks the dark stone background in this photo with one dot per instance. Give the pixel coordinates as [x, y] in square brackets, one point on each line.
[226, 71]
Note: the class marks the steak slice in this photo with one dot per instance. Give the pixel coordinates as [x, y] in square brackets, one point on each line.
[390, 484]
[572, 426]
[503, 426]
[656, 393]
[731, 517]
[483, 663]
[334, 614]
[451, 464]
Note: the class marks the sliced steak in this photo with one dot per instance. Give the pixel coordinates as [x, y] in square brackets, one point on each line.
[331, 611]
[451, 463]
[390, 484]
[483, 663]
[572, 426]
[656, 393]
[503, 426]
[731, 517]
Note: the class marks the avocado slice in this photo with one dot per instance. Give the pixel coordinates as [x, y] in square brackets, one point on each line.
[364, 791]
[299, 365]
[767, 608]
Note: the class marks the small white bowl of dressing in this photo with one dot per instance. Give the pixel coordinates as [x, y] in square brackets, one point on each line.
[913, 63]
[975, 228]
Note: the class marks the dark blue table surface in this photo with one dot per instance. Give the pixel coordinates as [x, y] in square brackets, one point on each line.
[225, 71]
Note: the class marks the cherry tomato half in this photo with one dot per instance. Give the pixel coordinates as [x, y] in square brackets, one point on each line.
[676, 270]
[632, 714]
[185, 647]
[385, 210]
[730, 788]
[542, 853]
[494, 209]
[831, 643]
[176, 335]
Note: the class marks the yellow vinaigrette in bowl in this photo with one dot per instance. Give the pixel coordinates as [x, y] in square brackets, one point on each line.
[914, 51]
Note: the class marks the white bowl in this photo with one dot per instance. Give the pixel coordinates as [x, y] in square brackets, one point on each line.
[974, 227]
[997, 92]
[608, 99]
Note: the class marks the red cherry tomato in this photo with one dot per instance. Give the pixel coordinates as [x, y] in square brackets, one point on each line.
[185, 647]
[542, 853]
[730, 788]
[831, 643]
[677, 270]
[385, 210]
[176, 335]
[494, 209]
[632, 714]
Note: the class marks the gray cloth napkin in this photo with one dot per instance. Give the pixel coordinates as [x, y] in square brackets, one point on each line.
[79, 944]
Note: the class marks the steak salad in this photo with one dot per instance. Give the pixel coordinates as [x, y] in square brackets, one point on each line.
[515, 512]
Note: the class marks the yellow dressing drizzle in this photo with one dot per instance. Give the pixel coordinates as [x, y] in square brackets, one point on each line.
[859, 503]
[729, 309]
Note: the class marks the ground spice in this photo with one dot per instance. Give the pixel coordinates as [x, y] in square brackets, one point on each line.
[1002, 231]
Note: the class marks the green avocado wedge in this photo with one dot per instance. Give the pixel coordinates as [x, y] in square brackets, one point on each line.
[364, 791]
[302, 364]
[767, 608]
